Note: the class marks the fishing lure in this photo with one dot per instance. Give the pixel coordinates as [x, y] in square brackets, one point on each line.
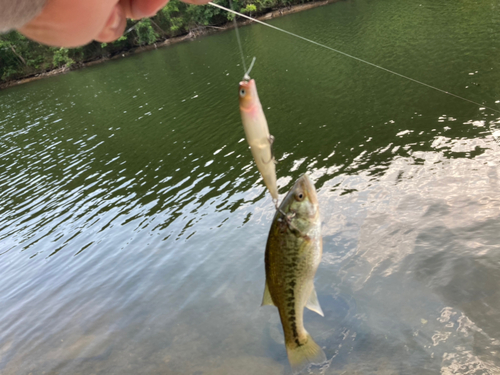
[257, 133]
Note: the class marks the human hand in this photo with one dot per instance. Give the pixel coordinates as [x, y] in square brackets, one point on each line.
[72, 23]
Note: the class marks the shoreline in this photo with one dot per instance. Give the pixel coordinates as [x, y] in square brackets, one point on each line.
[191, 35]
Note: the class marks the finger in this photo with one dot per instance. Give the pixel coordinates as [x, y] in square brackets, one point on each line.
[115, 26]
[138, 9]
[64, 23]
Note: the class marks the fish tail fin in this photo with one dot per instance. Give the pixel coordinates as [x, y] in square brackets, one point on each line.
[301, 356]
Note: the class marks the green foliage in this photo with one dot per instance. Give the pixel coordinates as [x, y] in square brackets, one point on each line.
[262, 5]
[145, 32]
[61, 58]
[20, 56]
[249, 9]
[7, 72]
[172, 18]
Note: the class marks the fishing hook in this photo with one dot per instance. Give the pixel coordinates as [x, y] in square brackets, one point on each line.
[288, 220]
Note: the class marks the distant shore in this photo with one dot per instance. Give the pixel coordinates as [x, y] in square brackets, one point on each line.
[191, 35]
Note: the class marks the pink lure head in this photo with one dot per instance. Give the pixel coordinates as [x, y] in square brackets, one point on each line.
[248, 94]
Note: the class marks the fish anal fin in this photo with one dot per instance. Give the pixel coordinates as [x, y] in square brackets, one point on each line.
[313, 303]
[304, 355]
[267, 299]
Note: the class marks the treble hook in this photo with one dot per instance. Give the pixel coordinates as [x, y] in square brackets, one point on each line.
[288, 219]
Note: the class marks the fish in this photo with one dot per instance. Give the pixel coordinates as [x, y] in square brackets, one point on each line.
[257, 134]
[293, 253]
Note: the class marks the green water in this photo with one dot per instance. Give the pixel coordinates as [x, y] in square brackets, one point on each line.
[133, 221]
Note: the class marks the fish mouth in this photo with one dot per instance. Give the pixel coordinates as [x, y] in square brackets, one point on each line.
[308, 187]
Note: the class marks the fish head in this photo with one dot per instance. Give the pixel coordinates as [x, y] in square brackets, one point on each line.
[301, 204]
[248, 94]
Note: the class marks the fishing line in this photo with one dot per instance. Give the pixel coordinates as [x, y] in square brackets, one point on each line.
[239, 40]
[131, 28]
[352, 57]
[246, 77]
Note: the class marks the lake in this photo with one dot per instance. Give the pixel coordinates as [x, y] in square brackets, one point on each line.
[133, 221]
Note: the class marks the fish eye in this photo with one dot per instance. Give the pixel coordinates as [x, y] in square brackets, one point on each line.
[299, 196]
[242, 92]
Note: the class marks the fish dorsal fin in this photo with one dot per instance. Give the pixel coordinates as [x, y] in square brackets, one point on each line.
[267, 299]
[313, 303]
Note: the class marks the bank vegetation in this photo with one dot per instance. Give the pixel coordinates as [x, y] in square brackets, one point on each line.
[21, 58]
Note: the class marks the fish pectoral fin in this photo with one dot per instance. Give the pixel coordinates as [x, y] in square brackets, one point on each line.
[313, 303]
[267, 299]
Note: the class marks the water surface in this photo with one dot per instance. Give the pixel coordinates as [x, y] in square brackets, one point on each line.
[133, 221]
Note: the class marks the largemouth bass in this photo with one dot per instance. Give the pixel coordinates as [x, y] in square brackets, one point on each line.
[293, 253]
[257, 134]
